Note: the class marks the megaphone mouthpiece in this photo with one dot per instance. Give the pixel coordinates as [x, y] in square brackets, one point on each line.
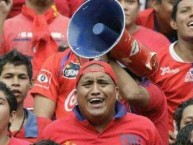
[105, 33]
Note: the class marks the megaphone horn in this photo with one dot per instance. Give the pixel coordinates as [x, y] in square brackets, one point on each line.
[98, 26]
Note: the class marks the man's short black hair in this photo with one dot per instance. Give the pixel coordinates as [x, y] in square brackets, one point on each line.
[178, 113]
[16, 58]
[46, 142]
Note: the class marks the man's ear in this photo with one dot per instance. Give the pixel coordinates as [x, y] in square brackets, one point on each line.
[75, 95]
[12, 116]
[117, 93]
[31, 85]
[173, 24]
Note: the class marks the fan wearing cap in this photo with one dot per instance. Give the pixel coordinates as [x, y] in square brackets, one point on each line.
[99, 118]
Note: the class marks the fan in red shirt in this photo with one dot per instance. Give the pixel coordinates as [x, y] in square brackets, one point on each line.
[99, 118]
[8, 109]
[65, 7]
[175, 73]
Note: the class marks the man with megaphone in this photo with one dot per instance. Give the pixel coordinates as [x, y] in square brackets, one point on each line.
[58, 91]
[106, 34]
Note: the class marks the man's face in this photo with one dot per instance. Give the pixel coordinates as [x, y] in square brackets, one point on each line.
[187, 116]
[17, 79]
[96, 95]
[4, 112]
[131, 9]
[184, 19]
[164, 10]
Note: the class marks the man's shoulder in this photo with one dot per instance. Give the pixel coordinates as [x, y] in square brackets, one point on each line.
[62, 56]
[138, 124]
[164, 54]
[146, 18]
[62, 124]
[14, 19]
[18, 21]
[62, 17]
[154, 34]
[138, 119]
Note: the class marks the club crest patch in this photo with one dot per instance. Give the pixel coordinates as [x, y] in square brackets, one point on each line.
[71, 70]
[131, 139]
[43, 79]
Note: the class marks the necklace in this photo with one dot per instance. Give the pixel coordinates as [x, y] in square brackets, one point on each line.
[24, 116]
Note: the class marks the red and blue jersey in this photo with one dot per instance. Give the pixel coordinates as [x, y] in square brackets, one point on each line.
[124, 129]
[156, 111]
[32, 128]
[56, 81]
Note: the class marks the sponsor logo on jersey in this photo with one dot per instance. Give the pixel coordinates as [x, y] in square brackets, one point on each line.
[167, 70]
[189, 76]
[44, 78]
[130, 139]
[71, 70]
[70, 101]
[26, 36]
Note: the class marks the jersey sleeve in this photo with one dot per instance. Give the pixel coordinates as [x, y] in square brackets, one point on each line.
[157, 107]
[47, 82]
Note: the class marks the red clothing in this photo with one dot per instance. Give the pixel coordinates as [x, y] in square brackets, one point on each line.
[65, 7]
[33, 128]
[18, 33]
[29, 102]
[175, 78]
[146, 18]
[56, 81]
[152, 40]
[68, 7]
[124, 128]
[15, 141]
[156, 111]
